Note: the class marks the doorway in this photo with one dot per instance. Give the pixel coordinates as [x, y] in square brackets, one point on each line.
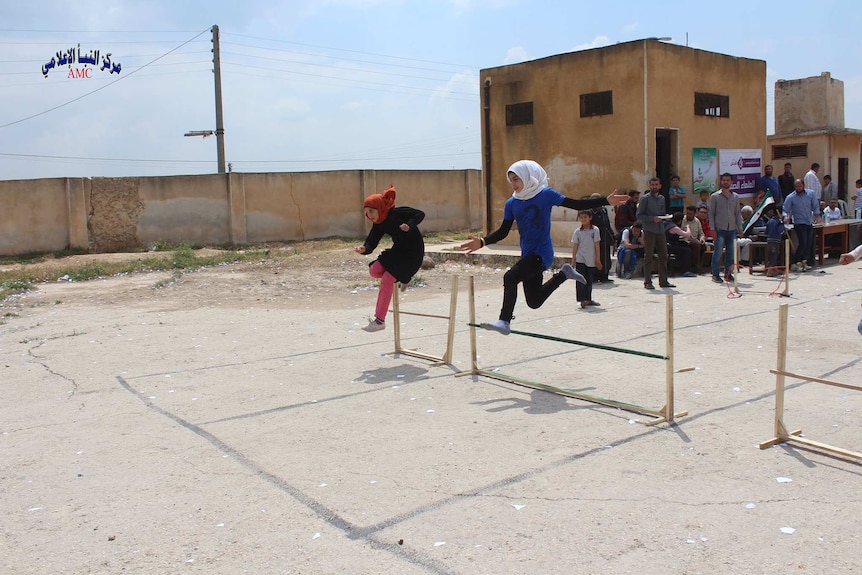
[666, 159]
[843, 176]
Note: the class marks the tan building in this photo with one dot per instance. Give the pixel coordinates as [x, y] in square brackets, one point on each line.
[809, 128]
[614, 117]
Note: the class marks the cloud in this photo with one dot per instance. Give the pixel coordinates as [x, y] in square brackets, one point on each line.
[629, 28]
[515, 55]
[597, 42]
[459, 83]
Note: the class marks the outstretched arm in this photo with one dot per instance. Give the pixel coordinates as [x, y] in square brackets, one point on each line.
[492, 238]
[851, 256]
[614, 199]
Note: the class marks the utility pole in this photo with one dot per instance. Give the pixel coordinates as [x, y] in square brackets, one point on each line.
[219, 131]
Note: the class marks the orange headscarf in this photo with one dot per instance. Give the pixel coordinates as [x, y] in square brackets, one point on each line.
[381, 202]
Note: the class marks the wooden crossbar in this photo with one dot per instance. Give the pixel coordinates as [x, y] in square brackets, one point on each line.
[815, 379]
[780, 429]
[665, 414]
[446, 358]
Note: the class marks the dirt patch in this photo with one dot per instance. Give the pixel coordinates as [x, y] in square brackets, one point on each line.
[299, 275]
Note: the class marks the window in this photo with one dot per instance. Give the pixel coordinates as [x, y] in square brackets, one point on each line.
[597, 104]
[714, 105]
[789, 151]
[519, 114]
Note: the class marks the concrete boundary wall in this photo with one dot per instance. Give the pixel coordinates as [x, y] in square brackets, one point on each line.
[120, 214]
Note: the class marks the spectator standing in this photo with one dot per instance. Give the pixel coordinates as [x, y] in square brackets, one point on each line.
[704, 200]
[651, 213]
[830, 190]
[626, 214]
[857, 200]
[725, 220]
[774, 233]
[785, 182]
[812, 182]
[586, 256]
[677, 196]
[800, 209]
[603, 223]
[769, 184]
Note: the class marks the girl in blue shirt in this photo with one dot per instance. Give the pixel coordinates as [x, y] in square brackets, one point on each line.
[530, 206]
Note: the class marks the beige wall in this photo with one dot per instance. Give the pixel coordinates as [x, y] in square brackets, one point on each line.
[808, 104]
[653, 86]
[825, 149]
[115, 214]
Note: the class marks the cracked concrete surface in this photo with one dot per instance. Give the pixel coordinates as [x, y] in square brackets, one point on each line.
[217, 426]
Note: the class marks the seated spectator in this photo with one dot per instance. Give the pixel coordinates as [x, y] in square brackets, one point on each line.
[703, 217]
[833, 212]
[697, 241]
[745, 241]
[630, 251]
[677, 244]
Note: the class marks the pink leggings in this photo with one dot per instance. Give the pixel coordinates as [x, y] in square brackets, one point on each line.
[387, 285]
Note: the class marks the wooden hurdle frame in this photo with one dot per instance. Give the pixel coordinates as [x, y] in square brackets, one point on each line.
[787, 247]
[781, 433]
[446, 358]
[665, 414]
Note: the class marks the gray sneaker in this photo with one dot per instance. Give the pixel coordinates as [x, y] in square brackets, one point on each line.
[374, 325]
[570, 273]
[499, 326]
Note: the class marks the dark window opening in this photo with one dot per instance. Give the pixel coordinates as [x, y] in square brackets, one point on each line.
[714, 105]
[597, 104]
[789, 151]
[519, 114]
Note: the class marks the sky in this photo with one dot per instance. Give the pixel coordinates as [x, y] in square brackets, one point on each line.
[312, 85]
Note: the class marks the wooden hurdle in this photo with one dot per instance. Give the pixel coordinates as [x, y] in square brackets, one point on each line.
[665, 414]
[446, 358]
[785, 293]
[781, 433]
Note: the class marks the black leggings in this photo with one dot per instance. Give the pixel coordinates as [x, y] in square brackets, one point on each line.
[528, 270]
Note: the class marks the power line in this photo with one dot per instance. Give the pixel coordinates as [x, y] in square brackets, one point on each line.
[353, 51]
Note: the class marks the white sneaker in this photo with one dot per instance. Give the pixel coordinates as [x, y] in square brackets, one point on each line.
[374, 325]
[570, 273]
[499, 326]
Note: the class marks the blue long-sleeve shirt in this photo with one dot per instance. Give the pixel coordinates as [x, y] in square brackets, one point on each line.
[801, 207]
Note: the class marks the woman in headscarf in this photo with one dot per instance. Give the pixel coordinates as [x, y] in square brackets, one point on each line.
[530, 206]
[403, 259]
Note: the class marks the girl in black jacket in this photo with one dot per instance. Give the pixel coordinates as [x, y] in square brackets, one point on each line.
[403, 259]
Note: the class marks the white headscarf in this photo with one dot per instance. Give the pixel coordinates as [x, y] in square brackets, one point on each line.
[532, 174]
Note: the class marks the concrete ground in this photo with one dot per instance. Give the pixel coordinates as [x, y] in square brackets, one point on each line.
[143, 438]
